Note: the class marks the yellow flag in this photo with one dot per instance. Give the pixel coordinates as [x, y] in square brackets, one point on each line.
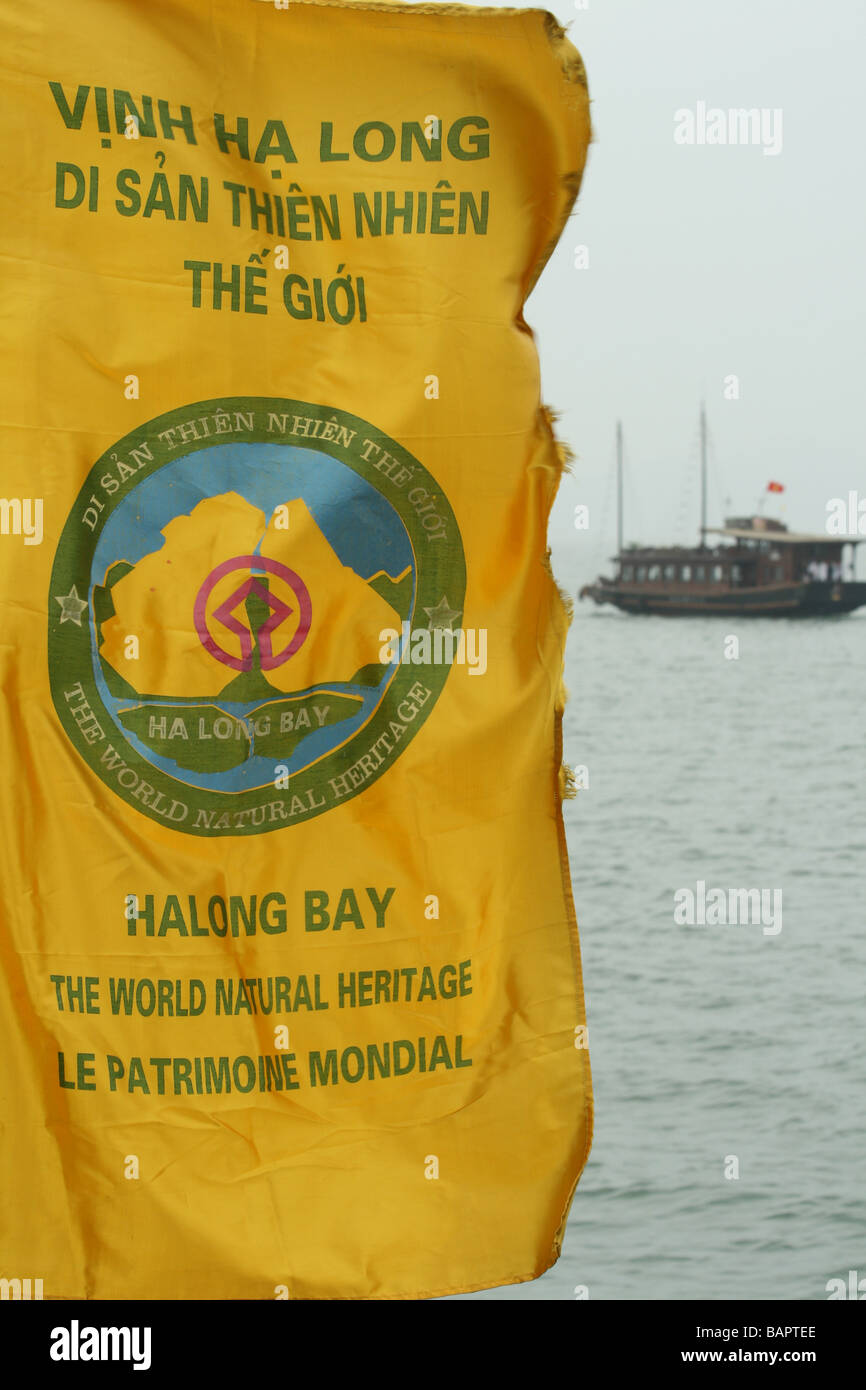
[291, 991]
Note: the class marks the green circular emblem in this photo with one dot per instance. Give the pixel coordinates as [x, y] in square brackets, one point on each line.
[250, 611]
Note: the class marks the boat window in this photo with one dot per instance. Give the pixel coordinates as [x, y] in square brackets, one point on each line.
[686, 573]
[670, 571]
[640, 574]
[736, 574]
[627, 572]
[718, 573]
[779, 573]
[700, 573]
[654, 572]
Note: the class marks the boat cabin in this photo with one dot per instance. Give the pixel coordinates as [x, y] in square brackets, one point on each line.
[764, 553]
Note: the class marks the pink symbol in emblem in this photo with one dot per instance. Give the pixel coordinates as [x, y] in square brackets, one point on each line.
[224, 613]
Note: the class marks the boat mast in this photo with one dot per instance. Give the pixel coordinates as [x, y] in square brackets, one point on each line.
[619, 487]
[703, 475]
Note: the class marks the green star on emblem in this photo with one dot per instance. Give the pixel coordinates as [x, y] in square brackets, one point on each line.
[442, 615]
[71, 606]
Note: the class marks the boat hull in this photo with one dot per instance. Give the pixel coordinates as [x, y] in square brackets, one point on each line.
[811, 600]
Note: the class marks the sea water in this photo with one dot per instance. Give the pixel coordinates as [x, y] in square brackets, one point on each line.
[729, 1063]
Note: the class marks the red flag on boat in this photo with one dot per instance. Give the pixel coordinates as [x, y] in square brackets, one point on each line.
[775, 487]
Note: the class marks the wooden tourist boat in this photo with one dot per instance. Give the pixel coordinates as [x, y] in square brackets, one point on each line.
[760, 569]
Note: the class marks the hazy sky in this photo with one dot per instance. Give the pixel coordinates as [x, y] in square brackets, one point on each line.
[709, 260]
